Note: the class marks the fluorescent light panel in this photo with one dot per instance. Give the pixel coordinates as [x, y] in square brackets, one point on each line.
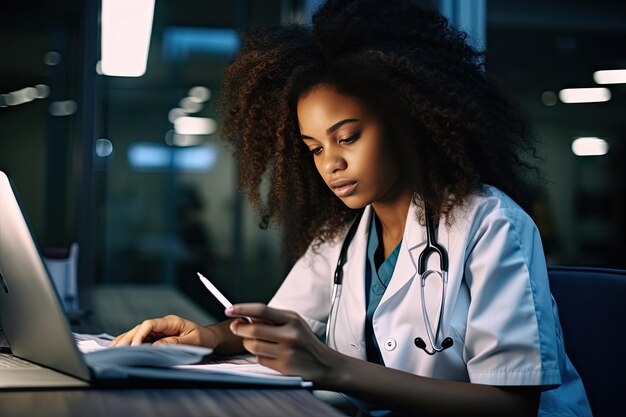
[585, 95]
[610, 76]
[201, 158]
[150, 156]
[25, 95]
[126, 29]
[590, 146]
[179, 42]
[63, 108]
[194, 125]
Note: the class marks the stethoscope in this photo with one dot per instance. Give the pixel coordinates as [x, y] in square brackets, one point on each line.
[431, 247]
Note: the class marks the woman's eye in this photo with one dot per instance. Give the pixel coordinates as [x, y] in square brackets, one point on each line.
[316, 151]
[351, 139]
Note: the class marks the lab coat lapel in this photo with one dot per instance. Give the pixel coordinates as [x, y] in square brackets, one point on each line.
[413, 241]
[406, 273]
[352, 305]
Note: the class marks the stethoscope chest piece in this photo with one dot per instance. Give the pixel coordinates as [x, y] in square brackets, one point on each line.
[445, 344]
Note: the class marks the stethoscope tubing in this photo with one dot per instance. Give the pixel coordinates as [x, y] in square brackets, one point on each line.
[431, 247]
[332, 316]
[432, 338]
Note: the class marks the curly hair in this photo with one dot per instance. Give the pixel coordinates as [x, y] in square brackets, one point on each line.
[407, 64]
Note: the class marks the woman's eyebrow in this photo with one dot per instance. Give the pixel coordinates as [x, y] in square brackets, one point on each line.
[333, 128]
[337, 125]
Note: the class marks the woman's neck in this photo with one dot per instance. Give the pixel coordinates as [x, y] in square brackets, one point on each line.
[392, 212]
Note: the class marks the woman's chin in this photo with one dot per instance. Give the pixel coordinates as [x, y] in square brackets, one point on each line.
[354, 202]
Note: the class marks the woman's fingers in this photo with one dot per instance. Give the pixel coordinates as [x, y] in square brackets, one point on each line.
[151, 326]
[124, 338]
[169, 325]
[261, 311]
[262, 348]
[261, 331]
[285, 344]
[272, 343]
[271, 325]
[116, 340]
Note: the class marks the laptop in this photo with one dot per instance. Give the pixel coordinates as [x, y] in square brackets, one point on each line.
[44, 352]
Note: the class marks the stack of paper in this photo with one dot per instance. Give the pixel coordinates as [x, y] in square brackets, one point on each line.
[175, 362]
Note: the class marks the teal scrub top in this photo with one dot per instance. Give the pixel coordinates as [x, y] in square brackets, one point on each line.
[377, 277]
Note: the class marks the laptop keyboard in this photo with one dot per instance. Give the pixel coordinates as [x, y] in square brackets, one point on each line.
[13, 362]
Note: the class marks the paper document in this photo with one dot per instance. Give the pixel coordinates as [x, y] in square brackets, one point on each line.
[90, 342]
[175, 362]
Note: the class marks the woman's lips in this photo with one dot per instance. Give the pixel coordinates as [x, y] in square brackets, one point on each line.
[343, 188]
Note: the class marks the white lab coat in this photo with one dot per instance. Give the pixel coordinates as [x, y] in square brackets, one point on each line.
[499, 310]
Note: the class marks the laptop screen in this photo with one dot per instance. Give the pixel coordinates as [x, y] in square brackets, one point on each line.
[30, 311]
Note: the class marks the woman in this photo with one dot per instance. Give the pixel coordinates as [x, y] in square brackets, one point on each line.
[381, 117]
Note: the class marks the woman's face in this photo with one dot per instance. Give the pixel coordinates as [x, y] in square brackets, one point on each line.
[348, 146]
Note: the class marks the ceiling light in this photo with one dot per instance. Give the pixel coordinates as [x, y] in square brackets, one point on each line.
[63, 108]
[610, 76]
[151, 156]
[174, 139]
[148, 155]
[187, 140]
[22, 96]
[195, 126]
[126, 29]
[104, 148]
[43, 90]
[199, 94]
[52, 58]
[201, 158]
[549, 98]
[175, 113]
[590, 146]
[585, 95]
[190, 106]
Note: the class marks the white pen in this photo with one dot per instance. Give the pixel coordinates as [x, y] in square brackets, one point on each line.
[217, 294]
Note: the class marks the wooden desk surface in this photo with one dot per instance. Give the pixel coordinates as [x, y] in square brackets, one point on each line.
[118, 308]
[164, 402]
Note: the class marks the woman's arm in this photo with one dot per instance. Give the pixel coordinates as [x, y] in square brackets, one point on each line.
[175, 329]
[290, 347]
[428, 396]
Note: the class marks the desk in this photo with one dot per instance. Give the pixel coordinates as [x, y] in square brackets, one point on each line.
[118, 308]
[164, 402]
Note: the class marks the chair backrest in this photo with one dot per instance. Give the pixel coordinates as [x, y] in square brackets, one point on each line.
[592, 311]
[62, 270]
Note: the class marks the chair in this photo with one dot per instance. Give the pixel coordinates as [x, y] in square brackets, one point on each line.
[62, 268]
[592, 311]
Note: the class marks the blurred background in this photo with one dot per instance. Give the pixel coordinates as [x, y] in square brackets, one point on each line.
[131, 168]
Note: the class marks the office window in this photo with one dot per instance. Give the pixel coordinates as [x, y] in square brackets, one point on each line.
[137, 162]
[167, 195]
[535, 51]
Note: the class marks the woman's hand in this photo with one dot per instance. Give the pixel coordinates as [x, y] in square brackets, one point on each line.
[169, 329]
[283, 341]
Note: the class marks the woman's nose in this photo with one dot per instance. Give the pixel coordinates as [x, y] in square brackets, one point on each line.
[333, 162]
